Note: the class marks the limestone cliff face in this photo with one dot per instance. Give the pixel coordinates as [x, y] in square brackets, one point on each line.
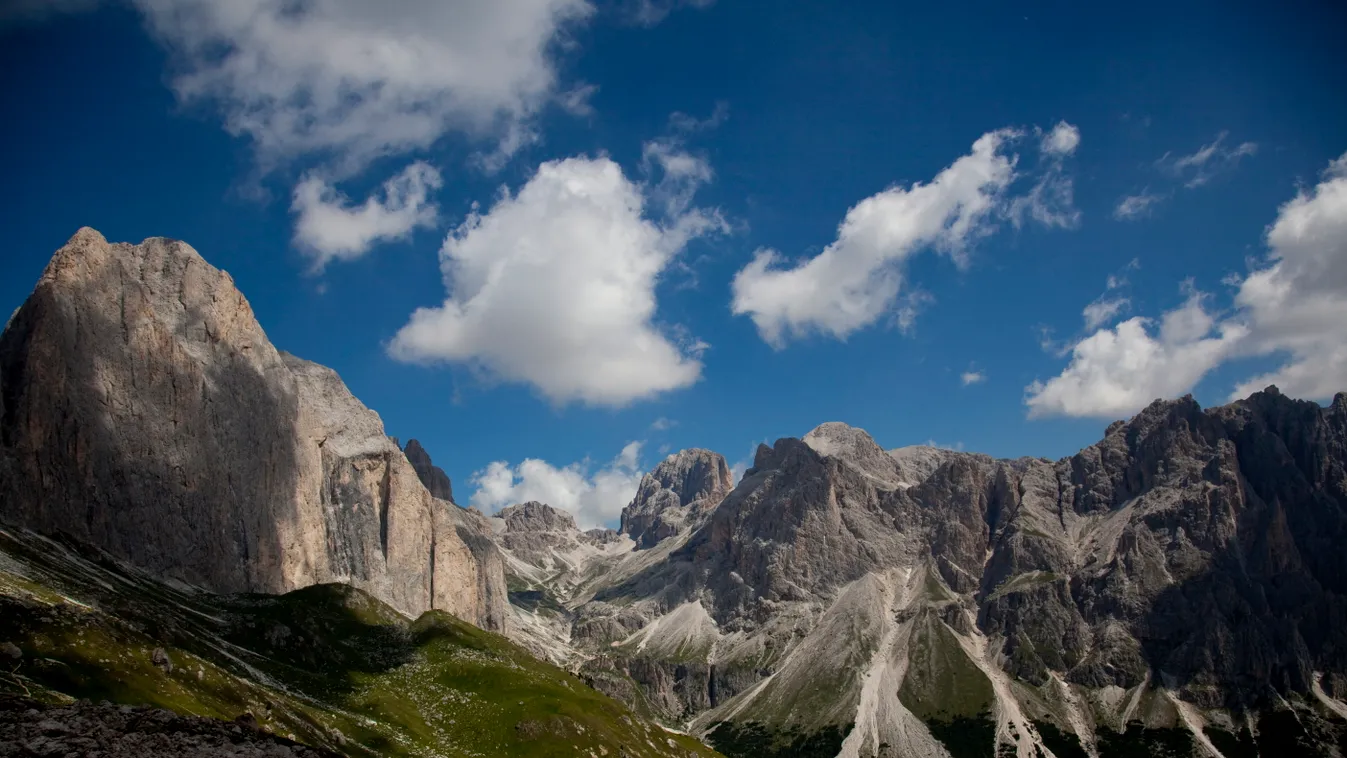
[1185, 573]
[1202, 544]
[143, 409]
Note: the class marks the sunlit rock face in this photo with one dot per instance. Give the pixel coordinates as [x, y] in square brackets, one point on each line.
[679, 494]
[146, 412]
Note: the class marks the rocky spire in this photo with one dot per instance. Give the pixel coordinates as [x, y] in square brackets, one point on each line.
[534, 516]
[676, 496]
[436, 481]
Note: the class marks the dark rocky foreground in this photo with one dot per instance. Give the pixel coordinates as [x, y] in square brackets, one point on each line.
[31, 729]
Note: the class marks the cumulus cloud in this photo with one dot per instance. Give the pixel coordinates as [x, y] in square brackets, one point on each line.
[972, 377]
[1297, 305]
[859, 277]
[1137, 206]
[1062, 140]
[328, 228]
[554, 286]
[354, 80]
[1294, 305]
[595, 500]
[1117, 371]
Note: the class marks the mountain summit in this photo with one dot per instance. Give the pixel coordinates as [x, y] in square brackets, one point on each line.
[145, 412]
[677, 495]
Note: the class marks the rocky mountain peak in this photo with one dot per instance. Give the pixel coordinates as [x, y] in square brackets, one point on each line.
[143, 410]
[676, 496]
[857, 448]
[534, 516]
[840, 440]
[432, 476]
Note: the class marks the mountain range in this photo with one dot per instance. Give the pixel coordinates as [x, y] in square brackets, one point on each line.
[1175, 589]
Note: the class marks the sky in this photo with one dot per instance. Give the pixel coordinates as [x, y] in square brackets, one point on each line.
[556, 240]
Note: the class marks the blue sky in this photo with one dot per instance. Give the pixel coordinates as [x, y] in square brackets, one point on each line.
[601, 177]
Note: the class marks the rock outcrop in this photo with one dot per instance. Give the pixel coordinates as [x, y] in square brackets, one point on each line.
[432, 476]
[547, 537]
[677, 496]
[143, 410]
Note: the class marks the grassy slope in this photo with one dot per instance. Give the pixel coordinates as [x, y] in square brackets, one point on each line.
[327, 665]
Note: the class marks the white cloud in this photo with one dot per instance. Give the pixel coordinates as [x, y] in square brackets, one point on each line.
[595, 500]
[554, 286]
[1117, 371]
[1062, 140]
[1138, 205]
[859, 277]
[1104, 310]
[1297, 305]
[972, 377]
[329, 228]
[1051, 201]
[681, 173]
[1200, 167]
[956, 447]
[662, 424]
[1294, 306]
[353, 80]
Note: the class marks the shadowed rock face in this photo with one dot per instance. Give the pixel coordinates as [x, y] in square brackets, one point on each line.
[1202, 544]
[142, 409]
[679, 494]
[1197, 551]
[432, 476]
